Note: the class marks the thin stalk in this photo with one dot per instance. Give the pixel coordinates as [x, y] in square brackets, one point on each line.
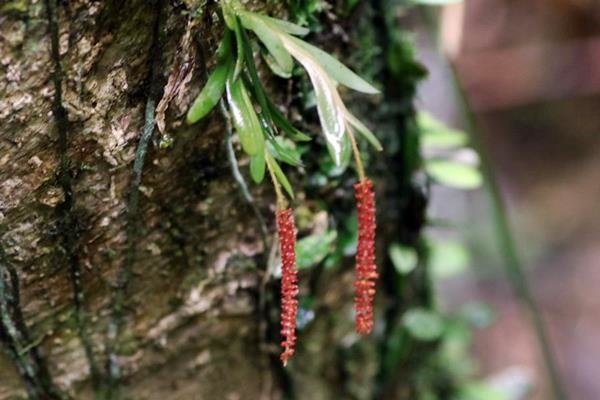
[360, 168]
[512, 263]
[281, 203]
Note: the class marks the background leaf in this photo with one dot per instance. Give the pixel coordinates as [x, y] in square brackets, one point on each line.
[404, 258]
[313, 249]
[454, 174]
[448, 259]
[423, 324]
[434, 134]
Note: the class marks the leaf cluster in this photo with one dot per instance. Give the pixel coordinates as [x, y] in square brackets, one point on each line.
[265, 134]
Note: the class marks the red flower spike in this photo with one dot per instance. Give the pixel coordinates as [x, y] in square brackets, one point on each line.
[366, 270]
[289, 282]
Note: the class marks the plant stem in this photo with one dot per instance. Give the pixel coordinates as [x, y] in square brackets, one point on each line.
[512, 262]
[360, 168]
[281, 204]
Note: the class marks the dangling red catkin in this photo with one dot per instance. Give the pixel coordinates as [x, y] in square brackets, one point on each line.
[366, 270]
[289, 282]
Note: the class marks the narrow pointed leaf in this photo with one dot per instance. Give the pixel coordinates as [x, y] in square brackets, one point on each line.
[240, 43]
[244, 118]
[224, 49]
[329, 104]
[270, 38]
[281, 178]
[336, 170]
[257, 167]
[210, 95]
[283, 152]
[328, 101]
[254, 83]
[228, 16]
[454, 174]
[338, 71]
[332, 120]
[275, 67]
[346, 154]
[363, 130]
[285, 26]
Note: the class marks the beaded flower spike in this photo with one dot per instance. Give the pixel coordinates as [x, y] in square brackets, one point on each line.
[289, 282]
[366, 269]
[286, 231]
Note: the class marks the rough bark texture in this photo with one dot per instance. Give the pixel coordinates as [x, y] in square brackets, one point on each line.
[144, 270]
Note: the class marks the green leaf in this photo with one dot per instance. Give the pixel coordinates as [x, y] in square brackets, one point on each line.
[241, 47]
[224, 49]
[313, 249]
[363, 130]
[281, 178]
[423, 324]
[404, 258]
[275, 67]
[454, 174]
[435, 134]
[345, 157]
[448, 259]
[336, 70]
[269, 38]
[285, 26]
[284, 151]
[330, 114]
[428, 122]
[282, 122]
[211, 93]
[446, 139]
[228, 15]
[257, 167]
[244, 118]
[478, 391]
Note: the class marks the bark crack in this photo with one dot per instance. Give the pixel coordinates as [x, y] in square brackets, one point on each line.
[68, 223]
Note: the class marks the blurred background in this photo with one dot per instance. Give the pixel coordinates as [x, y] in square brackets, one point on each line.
[530, 73]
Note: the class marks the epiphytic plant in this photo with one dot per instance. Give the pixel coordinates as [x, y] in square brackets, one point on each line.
[236, 77]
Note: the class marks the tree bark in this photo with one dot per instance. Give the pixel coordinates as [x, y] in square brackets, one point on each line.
[131, 264]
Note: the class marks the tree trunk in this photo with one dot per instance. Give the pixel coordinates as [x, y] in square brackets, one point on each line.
[132, 265]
